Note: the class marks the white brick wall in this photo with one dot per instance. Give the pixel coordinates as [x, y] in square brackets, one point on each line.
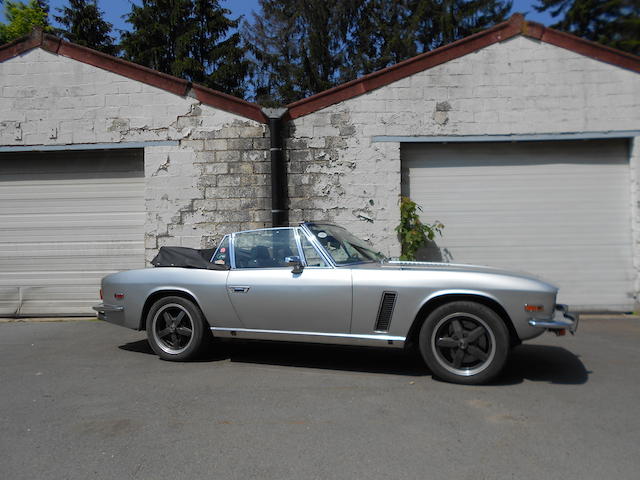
[216, 179]
[48, 99]
[520, 86]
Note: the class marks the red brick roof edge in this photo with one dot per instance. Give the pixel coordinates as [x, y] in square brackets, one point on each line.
[133, 71]
[516, 25]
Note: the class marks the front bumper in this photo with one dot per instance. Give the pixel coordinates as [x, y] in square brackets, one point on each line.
[559, 321]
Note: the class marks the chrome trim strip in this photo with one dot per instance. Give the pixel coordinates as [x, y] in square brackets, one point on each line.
[101, 308]
[311, 337]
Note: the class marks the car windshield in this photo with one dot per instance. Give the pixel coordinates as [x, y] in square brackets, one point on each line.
[343, 247]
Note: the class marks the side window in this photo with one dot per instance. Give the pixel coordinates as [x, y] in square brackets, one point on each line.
[222, 255]
[264, 248]
[310, 253]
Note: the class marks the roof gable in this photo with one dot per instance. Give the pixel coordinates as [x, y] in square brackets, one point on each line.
[516, 25]
[169, 83]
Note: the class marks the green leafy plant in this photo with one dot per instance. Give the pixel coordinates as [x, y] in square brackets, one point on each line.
[21, 19]
[414, 234]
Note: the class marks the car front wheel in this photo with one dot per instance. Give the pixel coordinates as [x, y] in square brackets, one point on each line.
[464, 342]
[176, 328]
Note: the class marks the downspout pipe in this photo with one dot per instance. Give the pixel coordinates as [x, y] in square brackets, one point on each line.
[279, 211]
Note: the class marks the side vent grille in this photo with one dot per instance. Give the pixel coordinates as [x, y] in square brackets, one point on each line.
[385, 312]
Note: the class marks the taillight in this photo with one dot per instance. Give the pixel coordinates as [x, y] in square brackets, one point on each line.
[101, 298]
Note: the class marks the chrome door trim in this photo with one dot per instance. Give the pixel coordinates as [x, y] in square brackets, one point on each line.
[311, 337]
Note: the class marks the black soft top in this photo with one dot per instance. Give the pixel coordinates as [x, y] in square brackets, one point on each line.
[187, 258]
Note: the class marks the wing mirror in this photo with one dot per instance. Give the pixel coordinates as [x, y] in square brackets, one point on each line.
[296, 263]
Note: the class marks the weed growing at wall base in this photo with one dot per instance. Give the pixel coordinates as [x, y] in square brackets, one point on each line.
[412, 233]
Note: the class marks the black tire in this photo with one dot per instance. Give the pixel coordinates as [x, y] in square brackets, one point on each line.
[464, 342]
[176, 329]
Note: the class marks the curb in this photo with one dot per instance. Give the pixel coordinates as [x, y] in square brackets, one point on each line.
[46, 319]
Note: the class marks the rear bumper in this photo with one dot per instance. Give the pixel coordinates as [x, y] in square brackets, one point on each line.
[110, 313]
[560, 320]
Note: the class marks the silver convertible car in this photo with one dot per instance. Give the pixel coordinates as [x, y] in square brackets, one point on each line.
[318, 283]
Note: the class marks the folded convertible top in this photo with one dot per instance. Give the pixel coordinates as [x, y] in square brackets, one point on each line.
[186, 257]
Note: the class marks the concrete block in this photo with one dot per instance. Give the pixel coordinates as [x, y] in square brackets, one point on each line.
[227, 156]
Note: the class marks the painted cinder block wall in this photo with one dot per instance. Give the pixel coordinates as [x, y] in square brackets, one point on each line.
[214, 176]
[206, 170]
[339, 172]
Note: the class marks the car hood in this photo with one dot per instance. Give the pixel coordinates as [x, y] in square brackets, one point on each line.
[448, 267]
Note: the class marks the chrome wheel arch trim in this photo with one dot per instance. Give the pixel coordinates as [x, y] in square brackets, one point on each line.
[311, 337]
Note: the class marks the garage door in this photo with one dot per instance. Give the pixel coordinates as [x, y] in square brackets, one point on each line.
[560, 210]
[66, 220]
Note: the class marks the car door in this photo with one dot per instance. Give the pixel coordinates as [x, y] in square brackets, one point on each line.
[268, 295]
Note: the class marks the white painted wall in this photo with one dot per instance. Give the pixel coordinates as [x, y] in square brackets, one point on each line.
[47, 99]
[520, 86]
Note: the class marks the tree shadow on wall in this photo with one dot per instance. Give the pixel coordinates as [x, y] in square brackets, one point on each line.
[431, 252]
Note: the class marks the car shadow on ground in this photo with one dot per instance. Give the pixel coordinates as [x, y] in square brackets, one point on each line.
[543, 363]
[539, 363]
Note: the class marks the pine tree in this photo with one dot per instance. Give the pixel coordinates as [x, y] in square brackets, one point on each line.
[302, 47]
[216, 59]
[159, 35]
[83, 24]
[188, 39]
[440, 22]
[615, 23]
[297, 46]
[22, 18]
[382, 33]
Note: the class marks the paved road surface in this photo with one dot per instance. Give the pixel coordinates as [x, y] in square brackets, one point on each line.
[88, 400]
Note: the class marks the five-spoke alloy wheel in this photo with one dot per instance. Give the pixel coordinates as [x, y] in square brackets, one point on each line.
[176, 328]
[464, 342]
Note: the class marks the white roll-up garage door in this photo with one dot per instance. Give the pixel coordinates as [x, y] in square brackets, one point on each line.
[66, 220]
[559, 210]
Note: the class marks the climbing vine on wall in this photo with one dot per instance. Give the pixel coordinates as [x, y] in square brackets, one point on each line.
[414, 234]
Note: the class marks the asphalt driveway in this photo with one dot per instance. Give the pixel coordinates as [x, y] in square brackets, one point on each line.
[85, 399]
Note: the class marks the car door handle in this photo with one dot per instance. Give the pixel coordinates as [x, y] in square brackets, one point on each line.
[238, 289]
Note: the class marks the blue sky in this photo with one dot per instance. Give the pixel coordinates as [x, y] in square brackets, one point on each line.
[115, 9]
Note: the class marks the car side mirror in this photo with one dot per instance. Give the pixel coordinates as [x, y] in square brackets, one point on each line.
[296, 263]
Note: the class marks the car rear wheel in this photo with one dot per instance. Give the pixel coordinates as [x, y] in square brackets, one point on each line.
[176, 329]
[464, 342]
